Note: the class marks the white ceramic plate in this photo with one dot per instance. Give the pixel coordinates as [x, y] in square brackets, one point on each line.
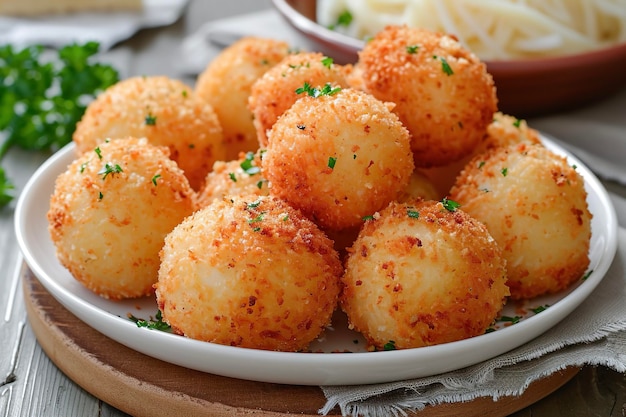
[325, 367]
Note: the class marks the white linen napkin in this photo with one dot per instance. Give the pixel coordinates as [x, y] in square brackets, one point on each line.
[106, 28]
[594, 334]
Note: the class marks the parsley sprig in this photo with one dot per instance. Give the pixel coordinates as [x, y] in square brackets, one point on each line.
[153, 324]
[326, 90]
[41, 100]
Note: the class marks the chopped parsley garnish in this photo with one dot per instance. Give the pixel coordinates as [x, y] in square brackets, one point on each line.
[327, 62]
[155, 178]
[184, 93]
[504, 171]
[510, 319]
[331, 162]
[98, 152]
[248, 164]
[109, 169]
[232, 176]
[412, 213]
[445, 67]
[368, 218]
[326, 90]
[253, 204]
[539, 309]
[83, 166]
[257, 219]
[481, 164]
[153, 324]
[151, 119]
[412, 49]
[584, 278]
[100, 195]
[390, 345]
[450, 205]
[517, 123]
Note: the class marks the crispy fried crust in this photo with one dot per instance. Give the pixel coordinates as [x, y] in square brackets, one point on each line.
[226, 83]
[420, 275]
[443, 92]
[109, 215]
[338, 157]
[275, 91]
[250, 272]
[165, 111]
[534, 204]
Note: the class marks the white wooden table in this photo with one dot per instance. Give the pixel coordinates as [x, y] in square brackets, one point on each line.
[30, 384]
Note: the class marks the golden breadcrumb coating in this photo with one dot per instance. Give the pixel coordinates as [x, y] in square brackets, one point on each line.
[535, 206]
[226, 83]
[165, 111]
[239, 177]
[419, 274]
[250, 272]
[504, 130]
[275, 91]
[110, 212]
[338, 157]
[443, 92]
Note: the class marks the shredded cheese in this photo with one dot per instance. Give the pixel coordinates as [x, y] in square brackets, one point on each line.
[493, 29]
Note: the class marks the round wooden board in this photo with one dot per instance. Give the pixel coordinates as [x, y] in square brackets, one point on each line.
[142, 386]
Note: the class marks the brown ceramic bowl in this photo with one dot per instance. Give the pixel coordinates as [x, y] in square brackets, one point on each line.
[525, 87]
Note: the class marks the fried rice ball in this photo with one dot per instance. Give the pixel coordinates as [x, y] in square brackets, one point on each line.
[275, 91]
[421, 274]
[250, 272]
[443, 92]
[535, 206]
[164, 110]
[110, 212]
[504, 130]
[239, 177]
[226, 83]
[338, 157]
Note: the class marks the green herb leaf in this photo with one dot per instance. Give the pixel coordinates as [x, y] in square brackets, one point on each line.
[539, 309]
[414, 214]
[109, 169]
[155, 178]
[153, 324]
[450, 205]
[412, 49]
[6, 189]
[151, 119]
[390, 345]
[326, 90]
[248, 165]
[331, 162]
[445, 67]
[344, 19]
[509, 319]
[327, 62]
[42, 100]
